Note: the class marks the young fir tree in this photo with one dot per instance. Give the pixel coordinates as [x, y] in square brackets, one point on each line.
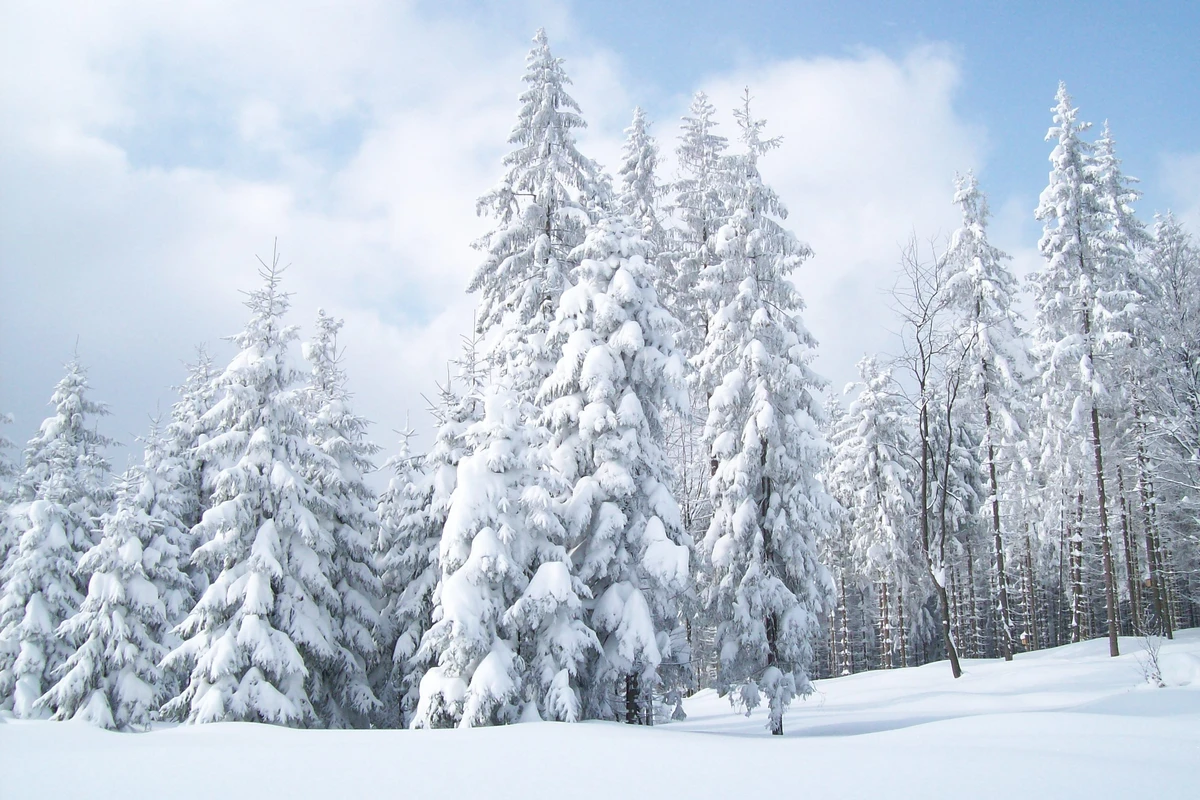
[483, 556]
[542, 207]
[995, 355]
[604, 401]
[342, 692]
[870, 466]
[412, 514]
[136, 593]
[704, 185]
[767, 587]
[406, 558]
[267, 621]
[1070, 296]
[641, 193]
[59, 496]
[186, 432]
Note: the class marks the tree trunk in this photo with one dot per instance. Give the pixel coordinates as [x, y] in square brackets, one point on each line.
[633, 710]
[1004, 635]
[885, 627]
[1110, 594]
[1078, 611]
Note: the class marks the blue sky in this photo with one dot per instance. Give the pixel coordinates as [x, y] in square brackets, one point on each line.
[150, 151]
[1136, 64]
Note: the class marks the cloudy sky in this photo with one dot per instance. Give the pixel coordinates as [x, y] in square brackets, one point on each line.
[149, 151]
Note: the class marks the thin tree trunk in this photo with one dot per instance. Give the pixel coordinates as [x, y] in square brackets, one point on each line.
[1110, 594]
[885, 627]
[1004, 635]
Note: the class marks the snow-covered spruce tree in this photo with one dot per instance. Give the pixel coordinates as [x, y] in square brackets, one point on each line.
[412, 513]
[60, 494]
[699, 193]
[541, 208]
[835, 540]
[996, 359]
[1072, 298]
[871, 468]
[136, 592]
[267, 621]
[1173, 263]
[549, 196]
[705, 183]
[186, 432]
[406, 559]
[767, 587]
[617, 372]
[641, 193]
[341, 690]
[483, 556]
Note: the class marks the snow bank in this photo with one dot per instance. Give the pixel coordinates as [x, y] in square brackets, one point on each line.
[1061, 723]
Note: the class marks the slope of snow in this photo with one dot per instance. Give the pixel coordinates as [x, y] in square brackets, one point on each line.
[1068, 722]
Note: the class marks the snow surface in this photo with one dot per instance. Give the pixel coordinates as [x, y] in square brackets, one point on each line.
[1062, 723]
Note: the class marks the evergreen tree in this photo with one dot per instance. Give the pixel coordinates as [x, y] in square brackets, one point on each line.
[767, 587]
[340, 436]
[412, 514]
[483, 557]
[136, 591]
[871, 468]
[641, 193]
[603, 404]
[186, 431]
[550, 193]
[267, 621]
[59, 496]
[996, 359]
[705, 183]
[1070, 295]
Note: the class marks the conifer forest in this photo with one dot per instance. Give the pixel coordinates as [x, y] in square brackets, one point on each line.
[639, 502]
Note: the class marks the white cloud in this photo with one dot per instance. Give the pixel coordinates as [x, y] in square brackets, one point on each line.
[1180, 176]
[154, 150]
[870, 149]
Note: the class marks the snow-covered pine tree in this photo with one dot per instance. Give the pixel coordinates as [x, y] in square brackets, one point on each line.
[767, 588]
[995, 354]
[836, 538]
[136, 593]
[186, 432]
[60, 494]
[412, 513]
[870, 466]
[603, 405]
[704, 186]
[267, 620]
[483, 556]
[406, 559]
[542, 208]
[1070, 296]
[341, 689]
[641, 193]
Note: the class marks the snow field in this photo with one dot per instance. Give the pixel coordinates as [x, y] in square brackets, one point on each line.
[1062, 723]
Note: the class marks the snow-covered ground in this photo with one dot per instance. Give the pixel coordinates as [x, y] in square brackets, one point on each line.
[1069, 722]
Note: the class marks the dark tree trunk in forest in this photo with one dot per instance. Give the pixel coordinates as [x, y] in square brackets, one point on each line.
[633, 711]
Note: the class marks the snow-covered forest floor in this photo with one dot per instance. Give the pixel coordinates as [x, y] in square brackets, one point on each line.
[1066, 722]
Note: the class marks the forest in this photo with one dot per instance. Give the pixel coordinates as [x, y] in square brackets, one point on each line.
[638, 487]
